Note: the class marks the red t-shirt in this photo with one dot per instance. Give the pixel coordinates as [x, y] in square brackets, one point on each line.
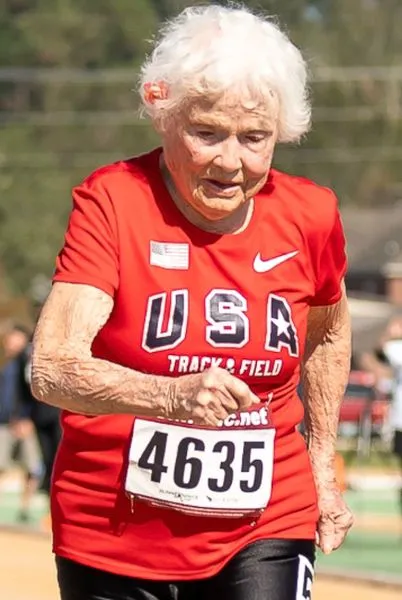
[186, 299]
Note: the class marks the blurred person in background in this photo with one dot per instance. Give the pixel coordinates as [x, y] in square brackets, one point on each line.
[45, 418]
[392, 348]
[17, 435]
[194, 285]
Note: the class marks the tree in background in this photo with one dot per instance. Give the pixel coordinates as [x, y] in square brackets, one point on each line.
[81, 111]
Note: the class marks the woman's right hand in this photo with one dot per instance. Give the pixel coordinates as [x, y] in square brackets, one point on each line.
[209, 397]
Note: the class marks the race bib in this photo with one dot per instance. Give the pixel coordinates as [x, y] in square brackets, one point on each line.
[211, 472]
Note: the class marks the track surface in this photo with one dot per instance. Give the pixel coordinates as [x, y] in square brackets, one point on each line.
[27, 573]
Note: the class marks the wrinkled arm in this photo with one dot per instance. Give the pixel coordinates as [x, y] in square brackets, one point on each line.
[64, 372]
[324, 378]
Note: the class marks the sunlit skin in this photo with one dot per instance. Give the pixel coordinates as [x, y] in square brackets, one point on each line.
[217, 156]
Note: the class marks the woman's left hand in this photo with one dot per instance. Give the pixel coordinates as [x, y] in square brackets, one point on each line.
[335, 517]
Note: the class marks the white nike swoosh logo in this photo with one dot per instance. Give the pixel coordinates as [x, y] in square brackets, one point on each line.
[262, 266]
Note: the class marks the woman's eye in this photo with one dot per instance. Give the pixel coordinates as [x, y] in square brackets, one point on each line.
[205, 134]
[255, 138]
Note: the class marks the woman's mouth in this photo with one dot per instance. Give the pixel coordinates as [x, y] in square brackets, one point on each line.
[222, 188]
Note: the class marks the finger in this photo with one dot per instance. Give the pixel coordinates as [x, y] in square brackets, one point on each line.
[203, 416]
[338, 539]
[226, 399]
[236, 388]
[211, 419]
[207, 402]
[208, 419]
[342, 526]
[218, 380]
[326, 535]
[217, 407]
[241, 392]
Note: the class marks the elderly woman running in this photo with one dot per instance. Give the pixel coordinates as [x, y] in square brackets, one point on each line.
[195, 288]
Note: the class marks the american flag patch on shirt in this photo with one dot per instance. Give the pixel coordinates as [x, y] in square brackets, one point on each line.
[169, 255]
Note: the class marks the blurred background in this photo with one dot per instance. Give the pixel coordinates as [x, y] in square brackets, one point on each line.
[68, 105]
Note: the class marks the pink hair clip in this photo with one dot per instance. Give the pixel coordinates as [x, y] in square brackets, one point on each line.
[155, 91]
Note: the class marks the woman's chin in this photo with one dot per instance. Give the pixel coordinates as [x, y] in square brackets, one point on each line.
[215, 208]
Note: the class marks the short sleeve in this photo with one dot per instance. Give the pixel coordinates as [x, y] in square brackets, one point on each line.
[90, 252]
[331, 264]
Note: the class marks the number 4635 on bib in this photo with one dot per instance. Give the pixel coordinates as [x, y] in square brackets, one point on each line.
[211, 472]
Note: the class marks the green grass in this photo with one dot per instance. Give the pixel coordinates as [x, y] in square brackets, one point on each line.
[375, 502]
[367, 553]
[374, 553]
[10, 506]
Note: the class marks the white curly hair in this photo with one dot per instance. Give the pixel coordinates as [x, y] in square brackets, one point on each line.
[208, 50]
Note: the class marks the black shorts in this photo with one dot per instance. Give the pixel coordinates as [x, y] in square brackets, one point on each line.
[264, 570]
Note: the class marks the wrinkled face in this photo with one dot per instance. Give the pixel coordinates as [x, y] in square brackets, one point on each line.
[219, 153]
